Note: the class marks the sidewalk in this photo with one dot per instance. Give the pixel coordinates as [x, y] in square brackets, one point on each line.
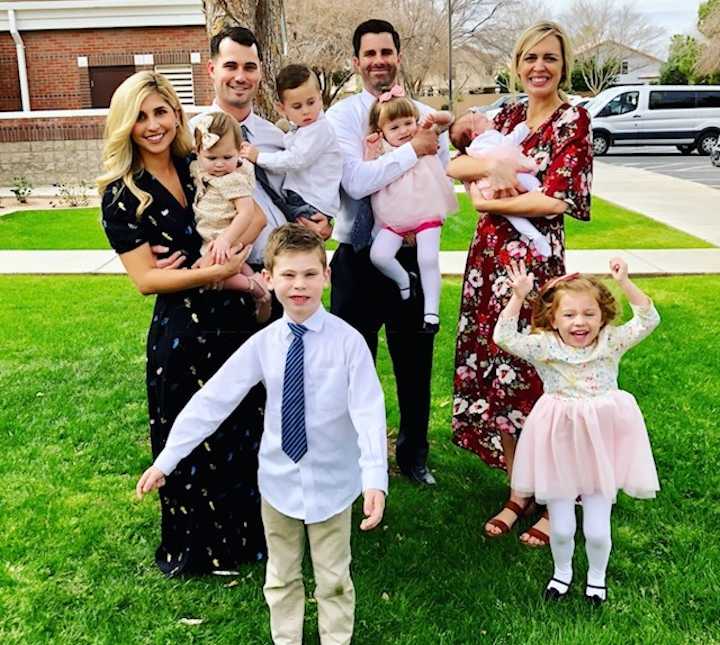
[685, 205]
[641, 262]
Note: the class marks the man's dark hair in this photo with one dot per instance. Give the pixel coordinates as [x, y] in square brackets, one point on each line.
[291, 77]
[374, 26]
[241, 35]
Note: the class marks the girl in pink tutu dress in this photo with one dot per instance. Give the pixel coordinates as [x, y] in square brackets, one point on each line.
[416, 202]
[584, 437]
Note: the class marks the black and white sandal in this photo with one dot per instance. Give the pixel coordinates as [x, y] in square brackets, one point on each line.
[594, 598]
[552, 593]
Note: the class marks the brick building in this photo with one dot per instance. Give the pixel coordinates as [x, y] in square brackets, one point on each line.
[61, 60]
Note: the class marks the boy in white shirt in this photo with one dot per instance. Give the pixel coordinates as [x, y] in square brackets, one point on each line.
[312, 160]
[323, 443]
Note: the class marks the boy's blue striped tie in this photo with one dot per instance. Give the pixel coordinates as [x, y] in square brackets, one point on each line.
[293, 438]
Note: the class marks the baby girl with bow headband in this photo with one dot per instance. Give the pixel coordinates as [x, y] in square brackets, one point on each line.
[226, 214]
[417, 202]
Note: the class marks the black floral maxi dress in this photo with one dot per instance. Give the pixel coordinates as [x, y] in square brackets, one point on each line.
[210, 504]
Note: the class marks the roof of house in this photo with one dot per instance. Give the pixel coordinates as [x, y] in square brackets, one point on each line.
[35, 15]
[615, 43]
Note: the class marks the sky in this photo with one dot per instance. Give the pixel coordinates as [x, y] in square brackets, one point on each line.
[675, 16]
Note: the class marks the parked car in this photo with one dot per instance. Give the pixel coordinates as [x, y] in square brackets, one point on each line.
[715, 155]
[686, 116]
[493, 109]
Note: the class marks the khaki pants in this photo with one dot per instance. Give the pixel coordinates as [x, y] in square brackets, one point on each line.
[284, 589]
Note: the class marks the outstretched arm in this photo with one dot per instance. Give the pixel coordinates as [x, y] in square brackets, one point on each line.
[635, 295]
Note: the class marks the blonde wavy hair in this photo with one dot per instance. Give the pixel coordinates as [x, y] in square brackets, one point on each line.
[546, 304]
[120, 157]
[531, 37]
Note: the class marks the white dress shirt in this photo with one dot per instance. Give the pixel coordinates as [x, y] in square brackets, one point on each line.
[344, 417]
[349, 119]
[313, 164]
[267, 138]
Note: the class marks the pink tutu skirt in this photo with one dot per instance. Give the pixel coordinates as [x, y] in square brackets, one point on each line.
[570, 447]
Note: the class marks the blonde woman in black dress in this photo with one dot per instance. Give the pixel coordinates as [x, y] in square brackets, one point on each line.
[210, 505]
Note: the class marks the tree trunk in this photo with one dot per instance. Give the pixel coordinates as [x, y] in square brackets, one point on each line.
[266, 18]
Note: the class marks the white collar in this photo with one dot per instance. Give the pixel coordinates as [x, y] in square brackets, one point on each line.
[313, 323]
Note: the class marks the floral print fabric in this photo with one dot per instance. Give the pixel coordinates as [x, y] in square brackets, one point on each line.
[495, 391]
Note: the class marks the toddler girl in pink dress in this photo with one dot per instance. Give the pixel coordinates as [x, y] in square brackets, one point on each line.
[584, 437]
[417, 202]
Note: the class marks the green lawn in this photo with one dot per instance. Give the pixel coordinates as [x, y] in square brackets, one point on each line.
[611, 227]
[76, 549]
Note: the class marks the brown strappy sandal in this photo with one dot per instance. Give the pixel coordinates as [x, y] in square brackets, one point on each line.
[538, 535]
[498, 523]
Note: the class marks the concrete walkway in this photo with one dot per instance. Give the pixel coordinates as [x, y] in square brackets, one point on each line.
[685, 205]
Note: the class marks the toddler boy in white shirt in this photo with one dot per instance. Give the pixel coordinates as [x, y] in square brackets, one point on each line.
[323, 443]
[312, 160]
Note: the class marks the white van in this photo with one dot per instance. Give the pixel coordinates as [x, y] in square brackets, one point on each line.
[685, 116]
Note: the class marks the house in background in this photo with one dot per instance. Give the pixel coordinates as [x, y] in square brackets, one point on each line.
[61, 61]
[636, 67]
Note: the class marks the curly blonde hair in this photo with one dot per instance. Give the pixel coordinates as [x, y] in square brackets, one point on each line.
[120, 157]
[547, 301]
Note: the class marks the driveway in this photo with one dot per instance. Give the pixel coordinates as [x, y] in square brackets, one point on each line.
[665, 161]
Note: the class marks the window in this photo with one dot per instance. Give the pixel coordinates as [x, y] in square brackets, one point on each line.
[672, 100]
[621, 104]
[181, 78]
[625, 67]
[708, 98]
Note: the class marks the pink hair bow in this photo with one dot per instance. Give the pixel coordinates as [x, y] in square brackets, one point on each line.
[396, 91]
[553, 282]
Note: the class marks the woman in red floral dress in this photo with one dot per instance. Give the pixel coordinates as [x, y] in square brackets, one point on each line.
[495, 391]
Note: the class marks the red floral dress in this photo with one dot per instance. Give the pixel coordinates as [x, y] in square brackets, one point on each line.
[494, 391]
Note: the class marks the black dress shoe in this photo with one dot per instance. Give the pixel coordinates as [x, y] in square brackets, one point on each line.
[419, 475]
[553, 594]
[595, 599]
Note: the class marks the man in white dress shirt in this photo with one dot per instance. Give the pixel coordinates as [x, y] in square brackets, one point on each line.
[343, 437]
[360, 294]
[235, 67]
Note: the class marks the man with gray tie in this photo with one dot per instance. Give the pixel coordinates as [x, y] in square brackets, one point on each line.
[360, 294]
[235, 68]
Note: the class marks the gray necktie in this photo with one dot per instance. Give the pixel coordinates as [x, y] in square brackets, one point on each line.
[264, 181]
[361, 212]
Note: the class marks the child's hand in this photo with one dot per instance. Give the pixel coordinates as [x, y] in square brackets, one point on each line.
[373, 146]
[520, 280]
[220, 250]
[151, 479]
[248, 151]
[373, 507]
[619, 269]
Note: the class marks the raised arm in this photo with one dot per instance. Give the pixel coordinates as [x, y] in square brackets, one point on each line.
[303, 149]
[506, 334]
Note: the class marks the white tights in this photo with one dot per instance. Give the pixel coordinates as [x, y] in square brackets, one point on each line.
[596, 528]
[382, 255]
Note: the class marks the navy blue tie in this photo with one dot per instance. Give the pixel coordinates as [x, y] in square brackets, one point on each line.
[293, 438]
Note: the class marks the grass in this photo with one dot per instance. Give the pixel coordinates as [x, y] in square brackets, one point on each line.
[611, 227]
[76, 550]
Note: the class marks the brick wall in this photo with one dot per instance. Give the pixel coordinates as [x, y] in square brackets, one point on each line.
[9, 81]
[55, 80]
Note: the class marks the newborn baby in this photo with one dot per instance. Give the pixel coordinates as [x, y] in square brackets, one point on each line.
[473, 134]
